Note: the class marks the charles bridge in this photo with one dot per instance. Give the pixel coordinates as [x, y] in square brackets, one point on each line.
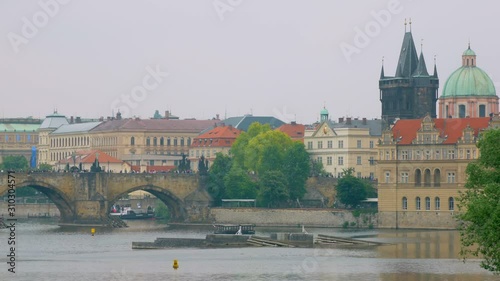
[86, 198]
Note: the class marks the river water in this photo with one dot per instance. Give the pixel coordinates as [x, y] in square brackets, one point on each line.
[47, 252]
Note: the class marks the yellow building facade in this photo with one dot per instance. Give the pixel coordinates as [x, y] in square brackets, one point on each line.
[421, 170]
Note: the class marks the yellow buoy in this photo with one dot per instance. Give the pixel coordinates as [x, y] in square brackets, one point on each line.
[176, 264]
[92, 230]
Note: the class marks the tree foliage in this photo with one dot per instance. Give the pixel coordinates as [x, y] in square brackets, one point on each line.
[350, 189]
[317, 168]
[45, 167]
[480, 204]
[273, 189]
[15, 162]
[239, 185]
[202, 166]
[219, 169]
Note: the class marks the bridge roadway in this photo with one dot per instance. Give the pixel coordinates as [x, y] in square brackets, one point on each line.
[87, 198]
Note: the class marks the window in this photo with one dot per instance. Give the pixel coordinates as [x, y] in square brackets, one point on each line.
[451, 177]
[372, 160]
[461, 111]
[387, 155]
[358, 174]
[358, 143]
[451, 154]
[404, 155]
[182, 141]
[168, 142]
[358, 160]
[162, 141]
[320, 144]
[371, 144]
[309, 145]
[372, 175]
[405, 203]
[341, 144]
[437, 204]
[467, 153]
[151, 162]
[427, 203]
[189, 142]
[451, 203]
[132, 141]
[330, 144]
[417, 203]
[175, 142]
[427, 177]
[482, 110]
[437, 177]
[148, 141]
[155, 141]
[320, 159]
[404, 177]
[387, 176]
[341, 160]
[329, 160]
[418, 177]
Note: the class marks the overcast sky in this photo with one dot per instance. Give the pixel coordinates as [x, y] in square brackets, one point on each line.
[285, 58]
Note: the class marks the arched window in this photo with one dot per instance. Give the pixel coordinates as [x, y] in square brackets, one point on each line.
[451, 203]
[437, 177]
[427, 177]
[482, 110]
[148, 141]
[175, 142]
[437, 204]
[418, 177]
[182, 141]
[189, 142]
[405, 203]
[162, 141]
[427, 203]
[155, 141]
[132, 141]
[168, 142]
[417, 203]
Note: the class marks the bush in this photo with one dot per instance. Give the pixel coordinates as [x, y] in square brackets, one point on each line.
[161, 211]
[345, 225]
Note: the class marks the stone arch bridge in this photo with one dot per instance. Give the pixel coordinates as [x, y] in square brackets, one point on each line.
[86, 198]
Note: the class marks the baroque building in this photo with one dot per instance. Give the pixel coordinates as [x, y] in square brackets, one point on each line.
[348, 143]
[421, 169]
[468, 92]
[411, 93]
[19, 137]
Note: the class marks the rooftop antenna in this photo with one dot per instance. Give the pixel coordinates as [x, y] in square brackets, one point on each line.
[469, 42]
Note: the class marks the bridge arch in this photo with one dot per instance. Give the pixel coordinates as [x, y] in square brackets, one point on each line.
[173, 203]
[62, 202]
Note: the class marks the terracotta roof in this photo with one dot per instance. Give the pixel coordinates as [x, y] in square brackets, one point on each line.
[88, 156]
[294, 130]
[222, 136]
[194, 126]
[452, 128]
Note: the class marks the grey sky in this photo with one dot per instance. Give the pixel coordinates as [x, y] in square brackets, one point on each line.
[271, 57]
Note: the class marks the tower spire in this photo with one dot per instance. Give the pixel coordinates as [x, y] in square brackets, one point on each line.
[435, 75]
[405, 24]
[410, 24]
[382, 75]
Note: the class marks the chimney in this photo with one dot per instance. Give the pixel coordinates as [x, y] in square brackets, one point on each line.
[167, 114]
[341, 119]
[101, 118]
[364, 121]
[217, 116]
[78, 120]
[293, 123]
[71, 120]
[118, 116]
[348, 121]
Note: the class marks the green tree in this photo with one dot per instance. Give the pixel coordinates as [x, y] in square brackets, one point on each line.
[238, 149]
[296, 169]
[350, 189]
[479, 205]
[162, 211]
[273, 190]
[45, 167]
[266, 151]
[219, 169]
[239, 185]
[317, 168]
[15, 162]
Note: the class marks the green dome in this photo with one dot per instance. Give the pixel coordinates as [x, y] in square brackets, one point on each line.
[469, 52]
[324, 111]
[468, 81]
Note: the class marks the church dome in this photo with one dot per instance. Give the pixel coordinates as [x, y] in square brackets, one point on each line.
[469, 80]
[324, 111]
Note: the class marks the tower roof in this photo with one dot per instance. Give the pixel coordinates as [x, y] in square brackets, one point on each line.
[408, 59]
[421, 67]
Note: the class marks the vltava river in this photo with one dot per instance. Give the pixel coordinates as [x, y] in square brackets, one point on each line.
[48, 252]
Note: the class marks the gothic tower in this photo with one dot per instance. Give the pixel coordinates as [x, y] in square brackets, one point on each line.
[412, 92]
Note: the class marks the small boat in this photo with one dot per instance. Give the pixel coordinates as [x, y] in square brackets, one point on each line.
[128, 213]
[234, 229]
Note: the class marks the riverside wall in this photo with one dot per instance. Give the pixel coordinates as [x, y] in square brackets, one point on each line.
[292, 217]
[31, 210]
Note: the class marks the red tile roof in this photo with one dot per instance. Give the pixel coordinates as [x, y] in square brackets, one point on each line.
[294, 130]
[452, 128]
[221, 136]
[88, 156]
